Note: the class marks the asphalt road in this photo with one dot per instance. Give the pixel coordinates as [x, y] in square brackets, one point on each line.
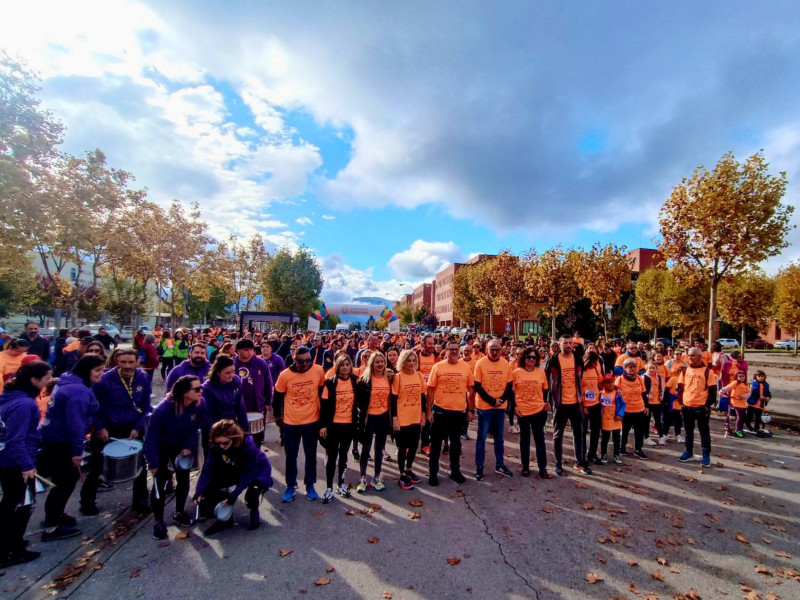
[508, 538]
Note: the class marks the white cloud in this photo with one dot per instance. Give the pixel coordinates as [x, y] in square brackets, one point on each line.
[425, 259]
[328, 217]
[344, 282]
[303, 221]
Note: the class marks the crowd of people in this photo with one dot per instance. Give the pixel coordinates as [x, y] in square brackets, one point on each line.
[349, 393]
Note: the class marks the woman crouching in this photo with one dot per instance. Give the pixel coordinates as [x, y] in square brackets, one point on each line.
[233, 460]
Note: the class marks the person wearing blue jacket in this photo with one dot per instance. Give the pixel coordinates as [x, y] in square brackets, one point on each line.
[222, 393]
[196, 365]
[123, 394]
[756, 403]
[233, 461]
[70, 411]
[173, 430]
[19, 444]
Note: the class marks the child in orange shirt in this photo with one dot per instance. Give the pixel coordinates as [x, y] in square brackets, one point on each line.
[738, 391]
[673, 406]
[613, 410]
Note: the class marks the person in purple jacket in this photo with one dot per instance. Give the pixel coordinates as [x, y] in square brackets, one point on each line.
[222, 393]
[123, 394]
[19, 444]
[173, 430]
[274, 362]
[234, 461]
[196, 365]
[257, 384]
[69, 416]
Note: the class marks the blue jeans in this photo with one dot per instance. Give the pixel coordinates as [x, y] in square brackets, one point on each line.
[490, 420]
[292, 436]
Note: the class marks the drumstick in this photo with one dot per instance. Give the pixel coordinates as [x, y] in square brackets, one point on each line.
[43, 480]
[197, 512]
[155, 489]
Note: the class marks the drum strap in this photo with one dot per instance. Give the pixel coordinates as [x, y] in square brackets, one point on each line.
[129, 389]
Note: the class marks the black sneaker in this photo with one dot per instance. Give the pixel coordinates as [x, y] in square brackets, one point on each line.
[503, 470]
[458, 477]
[89, 510]
[526, 473]
[598, 461]
[68, 520]
[604, 459]
[255, 521]
[60, 533]
[545, 475]
[19, 558]
[413, 477]
[182, 519]
[433, 480]
[479, 475]
[218, 526]
[624, 452]
[640, 454]
[160, 531]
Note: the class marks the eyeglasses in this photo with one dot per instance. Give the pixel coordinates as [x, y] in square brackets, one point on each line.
[198, 388]
[302, 361]
[529, 357]
[494, 349]
[224, 444]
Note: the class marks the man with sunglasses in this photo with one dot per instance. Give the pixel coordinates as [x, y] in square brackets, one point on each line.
[451, 400]
[493, 386]
[296, 407]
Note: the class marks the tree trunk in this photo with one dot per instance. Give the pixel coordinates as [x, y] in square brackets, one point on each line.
[712, 312]
[491, 323]
[743, 338]
[655, 335]
[795, 342]
[553, 324]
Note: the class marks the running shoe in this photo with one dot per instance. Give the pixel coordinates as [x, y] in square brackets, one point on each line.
[413, 477]
[289, 494]
[378, 484]
[618, 459]
[343, 490]
[182, 519]
[311, 493]
[504, 471]
[640, 454]
[361, 488]
[604, 459]
[405, 483]
[327, 497]
[686, 457]
[706, 462]
[160, 531]
[458, 477]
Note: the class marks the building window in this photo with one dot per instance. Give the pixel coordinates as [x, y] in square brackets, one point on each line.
[531, 327]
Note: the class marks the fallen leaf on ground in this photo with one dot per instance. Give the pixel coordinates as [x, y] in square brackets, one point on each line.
[387, 594]
[690, 541]
[415, 502]
[617, 532]
[662, 561]
[494, 490]
[673, 570]
[374, 507]
[741, 538]
[658, 575]
[182, 535]
[319, 513]
[604, 540]
[588, 506]
[582, 486]
[329, 569]
[454, 560]
[351, 512]
[766, 541]
[751, 595]
[763, 571]
[651, 596]
[373, 540]
[783, 554]
[322, 581]
[633, 563]
[414, 516]
[283, 553]
[593, 578]
[546, 509]
[163, 544]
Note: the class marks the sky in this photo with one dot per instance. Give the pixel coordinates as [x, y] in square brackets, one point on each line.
[395, 138]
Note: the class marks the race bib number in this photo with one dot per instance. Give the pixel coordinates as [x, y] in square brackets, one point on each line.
[589, 395]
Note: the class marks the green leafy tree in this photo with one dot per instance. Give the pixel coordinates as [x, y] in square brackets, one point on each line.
[405, 312]
[291, 282]
[466, 304]
[656, 302]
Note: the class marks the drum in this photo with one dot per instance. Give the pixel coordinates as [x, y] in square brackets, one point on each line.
[223, 511]
[194, 461]
[255, 422]
[123, 460]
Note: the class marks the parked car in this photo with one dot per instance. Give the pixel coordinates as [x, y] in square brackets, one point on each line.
[784, 345]
[758, 345]
[728, 343]
[110, 330]
[48, 333]
[666, 341]
[126, 335]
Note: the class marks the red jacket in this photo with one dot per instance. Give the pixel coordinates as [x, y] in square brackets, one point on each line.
[150, 356]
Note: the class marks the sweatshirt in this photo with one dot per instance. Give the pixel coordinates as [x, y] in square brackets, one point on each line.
[225, 402]
[243, 465]
[186, 367]
[170, 430]
[19, 435]
[257, 384]
[69, 413]
[120, 407]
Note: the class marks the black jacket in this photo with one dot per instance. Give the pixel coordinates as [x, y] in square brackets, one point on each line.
[39, 346]
[328, 405]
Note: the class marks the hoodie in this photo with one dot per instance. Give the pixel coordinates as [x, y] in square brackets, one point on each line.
[170, 430]
[187, 367]
[19, 436]
[240, 466]
[224, 401]
[120, 408]
[69, 413]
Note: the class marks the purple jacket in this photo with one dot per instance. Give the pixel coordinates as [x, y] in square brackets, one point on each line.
[19, 434]
[187, 368]
[168, 430]
[69, 413]
[276, 365]
[247, 464]
[256, 383]
[117, 407]
[225, 402]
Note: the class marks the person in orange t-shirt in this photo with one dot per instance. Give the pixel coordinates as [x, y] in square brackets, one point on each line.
[374, 419]
[529, 387]
[637, 416]
[563, 372]
[592, 411]
[697, 391]
[408, 415]
[450, 401]
[338, 423]
[297, 409]
[11, 360]
[738, 391]
[426, 358]
[493, 388]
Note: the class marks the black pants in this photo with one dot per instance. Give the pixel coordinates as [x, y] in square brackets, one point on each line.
[753, 419]
[337, 445]
[425, 434]
[13, 519]
[697, 415]
[92, 481]
[616, 435]
[673, 419]
[593, 423]
[447, 424]
[217, 492]
[533, 424]
[377, 428]
[407, 440]
[163, 475]
[510, 410]
[637, 421]
[574, 414]
[658, 421]
[166, 366]
[55, 461]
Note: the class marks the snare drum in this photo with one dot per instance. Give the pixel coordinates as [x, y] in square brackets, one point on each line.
[255, 422]
[123, 460]
[192, 462]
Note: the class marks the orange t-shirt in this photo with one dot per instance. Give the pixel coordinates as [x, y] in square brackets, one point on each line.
[674, 364]
[663, 371]
[529, 389]
[330, 373]
[569, 390]
[631, 392]
[452, 383]
[470, 363]
[656, 390]
[301, 404]
[409, 390]
[739, 392]
[379, 398]
[623, 357]
[590, 385]
[696, 384]
[493, 376]
[708, 358]
[609, 404]
[345, 397]
[426, 363]
[9, 365]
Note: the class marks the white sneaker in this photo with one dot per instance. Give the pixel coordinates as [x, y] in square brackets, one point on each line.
[650, 442]
[679, 439]
[662, 440]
